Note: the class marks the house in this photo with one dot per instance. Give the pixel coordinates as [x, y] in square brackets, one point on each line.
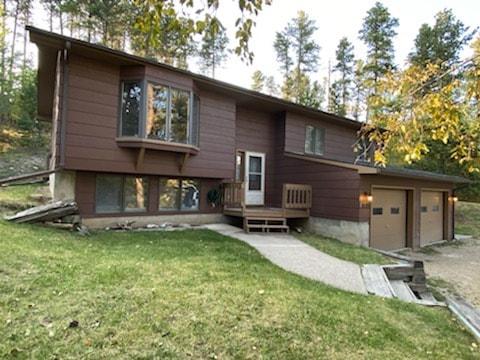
[134, 139]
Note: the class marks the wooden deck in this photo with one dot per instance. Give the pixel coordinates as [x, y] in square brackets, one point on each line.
[296, 204]
[266, 212]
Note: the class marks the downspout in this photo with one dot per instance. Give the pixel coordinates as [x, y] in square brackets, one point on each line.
[63, 125]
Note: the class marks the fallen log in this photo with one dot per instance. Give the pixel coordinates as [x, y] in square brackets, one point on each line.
[48, 212]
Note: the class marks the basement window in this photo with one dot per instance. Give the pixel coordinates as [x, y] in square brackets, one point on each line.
[179, 194]
[117, 194]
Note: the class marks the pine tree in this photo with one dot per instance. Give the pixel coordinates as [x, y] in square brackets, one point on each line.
[296, 48]
[282, 47]
[271, 86]
[344, 69]
[441, 43]
[378, 31]
[258, 81]
[358, 89]
[213, 51]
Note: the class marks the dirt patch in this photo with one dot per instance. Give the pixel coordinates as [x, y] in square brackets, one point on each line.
[457, 263]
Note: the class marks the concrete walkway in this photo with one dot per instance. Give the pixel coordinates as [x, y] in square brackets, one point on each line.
[297, 257]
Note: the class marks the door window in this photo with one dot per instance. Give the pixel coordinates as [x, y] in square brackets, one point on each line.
[255, 173]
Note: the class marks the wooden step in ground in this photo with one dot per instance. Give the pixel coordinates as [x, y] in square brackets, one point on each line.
[265, 224]
[376, 281]
[466, 313]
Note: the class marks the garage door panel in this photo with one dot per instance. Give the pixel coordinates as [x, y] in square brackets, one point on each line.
[388, 219]
[431, 212]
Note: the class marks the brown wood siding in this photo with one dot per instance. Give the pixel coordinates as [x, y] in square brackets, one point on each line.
[255, 131]
[93, 109]
[339, 140]
[335, 190]
[85, 197]
[416, 186]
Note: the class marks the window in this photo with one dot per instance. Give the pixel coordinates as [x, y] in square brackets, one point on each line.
[190, 195]
[175, 194]
[179, 115]
[157, 112]
[435, 208]
[255, 173]
[377, 211]
[168, 194]
[314, 140]
[171, 114]
[394, 210]
[424, 209]
[115, 193]
[131, 108]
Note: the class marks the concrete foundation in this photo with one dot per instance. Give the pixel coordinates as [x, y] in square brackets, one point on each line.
[141, 221]
[351, 232]
[62, 185]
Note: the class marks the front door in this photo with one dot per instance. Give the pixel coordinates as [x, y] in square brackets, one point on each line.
[254, 178]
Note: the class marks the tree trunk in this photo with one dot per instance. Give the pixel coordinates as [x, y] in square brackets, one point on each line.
[14, 39]
[52, 11]
[4, 45]
[60, 19]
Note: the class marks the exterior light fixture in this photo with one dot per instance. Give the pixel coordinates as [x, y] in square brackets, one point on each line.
[453, 199]
[365, 199]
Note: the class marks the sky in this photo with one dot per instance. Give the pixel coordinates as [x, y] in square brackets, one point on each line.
[335, 19]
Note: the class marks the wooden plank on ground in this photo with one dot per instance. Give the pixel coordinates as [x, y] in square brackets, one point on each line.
[376, 281]
[48, 212]
[12, 179]
[402, 291]
[466, 313]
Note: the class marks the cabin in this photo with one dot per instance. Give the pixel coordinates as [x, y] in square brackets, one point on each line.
[137, 140]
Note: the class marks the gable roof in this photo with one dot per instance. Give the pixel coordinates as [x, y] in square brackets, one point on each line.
[49, 41]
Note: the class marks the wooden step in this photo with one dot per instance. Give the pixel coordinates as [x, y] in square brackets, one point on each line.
[265, 224]
[402, 291]
[376, 281]
[466, 313]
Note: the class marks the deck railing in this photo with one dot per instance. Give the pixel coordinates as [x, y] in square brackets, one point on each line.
[296, 196]
[234, 194]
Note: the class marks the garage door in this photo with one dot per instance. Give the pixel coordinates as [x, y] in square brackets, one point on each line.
[431, 225]
[388, 219]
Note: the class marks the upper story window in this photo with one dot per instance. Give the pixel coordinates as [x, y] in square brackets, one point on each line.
[167, 113]
[131, 108]
[314, 140]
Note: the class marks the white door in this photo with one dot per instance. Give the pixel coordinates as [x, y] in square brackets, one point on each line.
[254, 178]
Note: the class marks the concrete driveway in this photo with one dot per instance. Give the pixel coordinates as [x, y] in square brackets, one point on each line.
[458, 263]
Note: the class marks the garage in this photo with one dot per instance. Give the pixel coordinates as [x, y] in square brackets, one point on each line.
[431, 212]
[388, 219]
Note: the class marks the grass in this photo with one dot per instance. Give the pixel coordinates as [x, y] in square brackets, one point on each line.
[19, 196]
[192, 294]
[467, 216]
[357, 254]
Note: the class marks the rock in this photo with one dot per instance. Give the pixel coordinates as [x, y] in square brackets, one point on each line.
[152, 226]
[73, 324]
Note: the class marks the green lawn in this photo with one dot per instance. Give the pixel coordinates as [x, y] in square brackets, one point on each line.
[467, 218]
[193, 294]
[357, 254]
[19, 197]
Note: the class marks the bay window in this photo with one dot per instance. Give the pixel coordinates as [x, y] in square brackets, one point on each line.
[167, 114]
